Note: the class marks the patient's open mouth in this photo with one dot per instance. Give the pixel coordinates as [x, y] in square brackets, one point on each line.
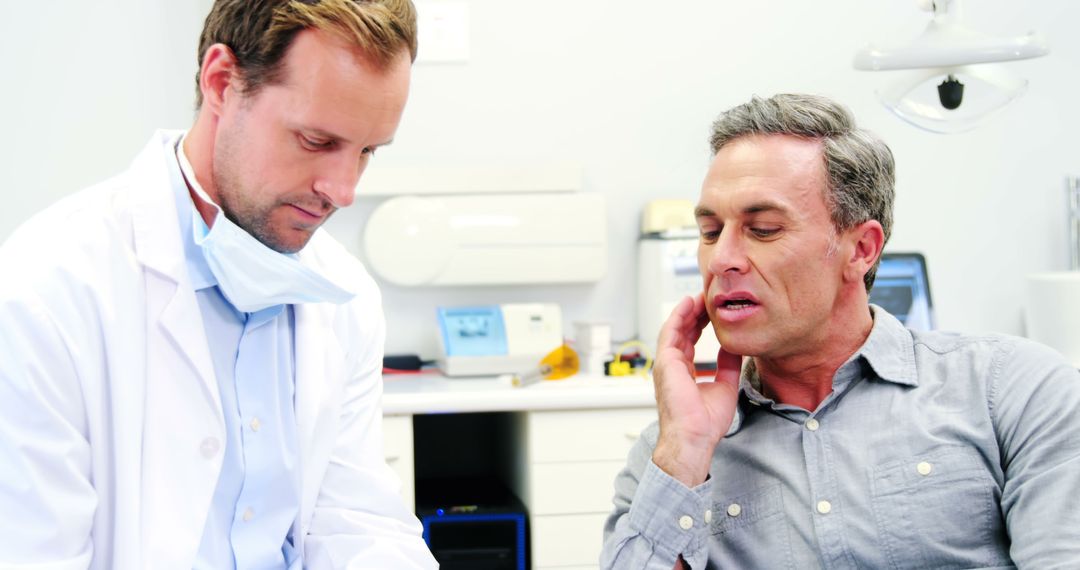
[736, 305]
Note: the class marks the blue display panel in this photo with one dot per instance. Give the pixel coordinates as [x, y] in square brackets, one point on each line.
[902, 287]
[473, 331]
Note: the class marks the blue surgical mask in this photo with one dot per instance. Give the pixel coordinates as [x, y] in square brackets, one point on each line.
[251, 275]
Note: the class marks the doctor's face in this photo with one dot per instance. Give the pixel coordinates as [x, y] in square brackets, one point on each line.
[288, 156]
[767, 247]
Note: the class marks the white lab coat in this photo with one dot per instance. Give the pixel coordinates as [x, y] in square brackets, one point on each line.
[111, 428]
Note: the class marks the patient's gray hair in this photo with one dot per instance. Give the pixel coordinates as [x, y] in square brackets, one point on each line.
[859, 166]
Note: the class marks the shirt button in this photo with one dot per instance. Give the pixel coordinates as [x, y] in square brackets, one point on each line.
[924, 468]
[812, 424]
[708, 516]
[734, 510]
[248, 514]
[824, 507]
[255, 424]
[209, 447]
[685, 522]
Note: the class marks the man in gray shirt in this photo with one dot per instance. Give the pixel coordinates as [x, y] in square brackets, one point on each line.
[846, 441]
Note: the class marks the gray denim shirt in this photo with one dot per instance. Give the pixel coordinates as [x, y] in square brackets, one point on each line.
[934, 450]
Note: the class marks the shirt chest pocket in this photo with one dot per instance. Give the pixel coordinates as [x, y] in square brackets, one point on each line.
[748, 523]
[939, 509]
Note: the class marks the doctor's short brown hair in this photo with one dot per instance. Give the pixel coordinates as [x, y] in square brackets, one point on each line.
[259, 32]
[859, 167]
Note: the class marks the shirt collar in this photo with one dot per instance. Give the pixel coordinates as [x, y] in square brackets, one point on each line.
[889, 351]
[198, 270]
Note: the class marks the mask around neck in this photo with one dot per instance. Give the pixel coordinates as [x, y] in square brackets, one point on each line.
[251, 275]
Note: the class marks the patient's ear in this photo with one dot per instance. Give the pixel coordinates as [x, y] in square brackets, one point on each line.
[868, 239]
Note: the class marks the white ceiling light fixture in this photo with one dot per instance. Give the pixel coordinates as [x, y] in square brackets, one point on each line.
[947, 57]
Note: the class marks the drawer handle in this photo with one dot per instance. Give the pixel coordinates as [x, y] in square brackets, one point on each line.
[634, 435]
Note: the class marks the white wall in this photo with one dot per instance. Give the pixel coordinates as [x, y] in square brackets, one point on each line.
[85, 83]
[628, 88]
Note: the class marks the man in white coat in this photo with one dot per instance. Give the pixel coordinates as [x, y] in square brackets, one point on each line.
[190, 367]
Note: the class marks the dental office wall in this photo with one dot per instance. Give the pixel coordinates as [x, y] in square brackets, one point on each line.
[625, 88]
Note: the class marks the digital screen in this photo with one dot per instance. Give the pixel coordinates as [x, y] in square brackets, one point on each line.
[902, 288]
[473, 331]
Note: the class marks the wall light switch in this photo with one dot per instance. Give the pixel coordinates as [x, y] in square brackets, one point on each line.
[443, 34]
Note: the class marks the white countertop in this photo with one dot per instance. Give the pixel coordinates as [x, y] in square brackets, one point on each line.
[435, 393]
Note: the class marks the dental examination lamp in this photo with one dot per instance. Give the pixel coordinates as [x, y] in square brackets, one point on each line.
[956, 78]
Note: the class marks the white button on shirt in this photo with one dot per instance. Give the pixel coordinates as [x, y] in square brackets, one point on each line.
[824, 507]
[255, 424]
[812, 424]
[924, 468]
[209, 447]
[248, 514]
[734, 510]
[708, 516]
[686, 522]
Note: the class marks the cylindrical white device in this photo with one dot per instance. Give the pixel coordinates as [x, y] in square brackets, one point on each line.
[1053, 312]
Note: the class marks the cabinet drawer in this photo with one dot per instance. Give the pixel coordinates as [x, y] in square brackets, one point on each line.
[585, 435]
[573, 488]
[567, 540]
[398, 452]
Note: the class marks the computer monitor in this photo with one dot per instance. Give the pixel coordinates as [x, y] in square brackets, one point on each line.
[902, 287]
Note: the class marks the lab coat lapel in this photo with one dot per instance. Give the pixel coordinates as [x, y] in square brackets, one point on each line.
[158, 248]
[183, 430]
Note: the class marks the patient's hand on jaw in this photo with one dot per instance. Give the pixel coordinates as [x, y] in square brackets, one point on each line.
[693, 417]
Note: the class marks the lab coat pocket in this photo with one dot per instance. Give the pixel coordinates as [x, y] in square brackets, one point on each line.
[752, 522]
[938, 509]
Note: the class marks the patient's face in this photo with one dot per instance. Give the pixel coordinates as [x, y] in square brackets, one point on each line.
[767, 246]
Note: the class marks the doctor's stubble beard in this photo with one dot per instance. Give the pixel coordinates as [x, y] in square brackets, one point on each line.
[245, 212]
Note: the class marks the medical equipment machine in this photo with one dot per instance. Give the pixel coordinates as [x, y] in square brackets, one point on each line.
[489, 239]
[484, 529]
[902, 287]
[497, 339]
[668, 272]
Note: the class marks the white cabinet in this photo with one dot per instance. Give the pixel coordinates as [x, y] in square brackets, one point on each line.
[567, 540]
[563, 444]
[569, 462]
[398, 451]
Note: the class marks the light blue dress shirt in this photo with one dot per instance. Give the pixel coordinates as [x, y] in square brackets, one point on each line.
[257, 497]
[934, 450]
